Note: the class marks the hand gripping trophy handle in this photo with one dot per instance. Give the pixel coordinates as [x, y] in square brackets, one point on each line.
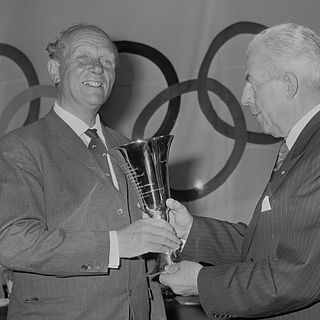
[146, 167]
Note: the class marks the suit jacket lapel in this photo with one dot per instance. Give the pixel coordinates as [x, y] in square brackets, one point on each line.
[299, 148]
[71, 144]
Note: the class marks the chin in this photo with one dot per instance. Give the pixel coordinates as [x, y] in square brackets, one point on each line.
[94, 100]
[272, 133]
[266, 131]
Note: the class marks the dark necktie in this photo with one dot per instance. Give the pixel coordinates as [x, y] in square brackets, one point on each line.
[283, 152]
[98, 150]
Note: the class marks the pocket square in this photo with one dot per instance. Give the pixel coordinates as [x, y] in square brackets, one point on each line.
[265, 204]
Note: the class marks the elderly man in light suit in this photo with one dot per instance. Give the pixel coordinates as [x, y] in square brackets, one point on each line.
[70, 228]
[270, 268]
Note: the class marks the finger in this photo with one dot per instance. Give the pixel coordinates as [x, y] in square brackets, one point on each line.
[163, 278]
[158, 248]
[171, 268]
[173, 204]
[171, 216]
[144, 215]
[161, 231]
[167, 243]
[167, 280]
[160, 223]
[170, 203]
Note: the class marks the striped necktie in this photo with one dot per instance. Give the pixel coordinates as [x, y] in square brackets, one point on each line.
[98, 150]
[283, 152]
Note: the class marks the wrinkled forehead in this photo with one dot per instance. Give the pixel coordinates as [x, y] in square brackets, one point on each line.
[256, 61]
[254, 55]
[88, 36]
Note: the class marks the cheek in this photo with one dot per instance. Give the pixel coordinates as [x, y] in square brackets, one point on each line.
[72, 77]
[66, 75]
[110, 79]
[111, 75]
[271, 116]
[263, 102]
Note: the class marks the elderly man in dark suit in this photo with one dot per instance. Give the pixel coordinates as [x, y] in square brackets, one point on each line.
[70, 228]
[271, 267]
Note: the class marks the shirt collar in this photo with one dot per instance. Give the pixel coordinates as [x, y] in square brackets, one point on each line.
[76, 124]
[299, 126]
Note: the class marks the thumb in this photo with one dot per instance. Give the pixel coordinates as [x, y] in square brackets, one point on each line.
[171, 268]
[172, 204]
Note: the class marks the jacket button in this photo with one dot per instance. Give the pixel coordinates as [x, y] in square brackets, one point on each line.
[251, 259]
[119, 211]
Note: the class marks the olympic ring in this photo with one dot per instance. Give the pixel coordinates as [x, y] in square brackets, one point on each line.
[19, 100]
[169, 73]
[240, 142]
[29, 72]
[203, 97]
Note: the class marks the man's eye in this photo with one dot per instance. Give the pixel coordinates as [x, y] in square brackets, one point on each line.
[251, 85]
[83, 58]
[107, 63]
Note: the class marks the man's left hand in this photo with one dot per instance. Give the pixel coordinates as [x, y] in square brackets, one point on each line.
[182, 277]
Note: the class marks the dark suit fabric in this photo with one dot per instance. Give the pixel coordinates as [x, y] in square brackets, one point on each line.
[57, 207]
[272, 267]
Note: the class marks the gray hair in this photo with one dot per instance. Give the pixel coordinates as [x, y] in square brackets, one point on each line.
[290, 45]
[56, 49]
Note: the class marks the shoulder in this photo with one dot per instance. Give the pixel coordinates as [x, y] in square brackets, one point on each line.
[117, 137]
[23, 136]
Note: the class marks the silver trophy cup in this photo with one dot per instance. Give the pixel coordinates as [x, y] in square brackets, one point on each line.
[146, 167]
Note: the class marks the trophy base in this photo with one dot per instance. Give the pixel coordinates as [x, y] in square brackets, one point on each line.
[163, 260]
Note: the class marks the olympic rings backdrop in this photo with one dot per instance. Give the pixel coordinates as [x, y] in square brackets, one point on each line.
[182, 68]
[172, 94]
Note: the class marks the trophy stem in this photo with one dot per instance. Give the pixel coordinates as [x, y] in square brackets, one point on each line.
[162, 260]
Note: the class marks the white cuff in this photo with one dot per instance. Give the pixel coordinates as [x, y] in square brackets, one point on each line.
[114, 259]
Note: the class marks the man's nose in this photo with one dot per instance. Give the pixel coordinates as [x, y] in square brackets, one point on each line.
[247, 96]
[97, 66]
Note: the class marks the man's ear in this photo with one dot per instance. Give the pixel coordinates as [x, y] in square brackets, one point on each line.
[53, 70]
[291, 82]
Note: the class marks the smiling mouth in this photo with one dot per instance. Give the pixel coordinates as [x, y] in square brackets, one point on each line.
[92, 84]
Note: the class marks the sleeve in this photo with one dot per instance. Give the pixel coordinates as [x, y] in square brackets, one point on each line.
[214, 241]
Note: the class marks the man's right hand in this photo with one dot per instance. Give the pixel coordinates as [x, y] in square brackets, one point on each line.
[146, 235]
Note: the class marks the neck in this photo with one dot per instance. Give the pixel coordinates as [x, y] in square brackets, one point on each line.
[87, 114]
